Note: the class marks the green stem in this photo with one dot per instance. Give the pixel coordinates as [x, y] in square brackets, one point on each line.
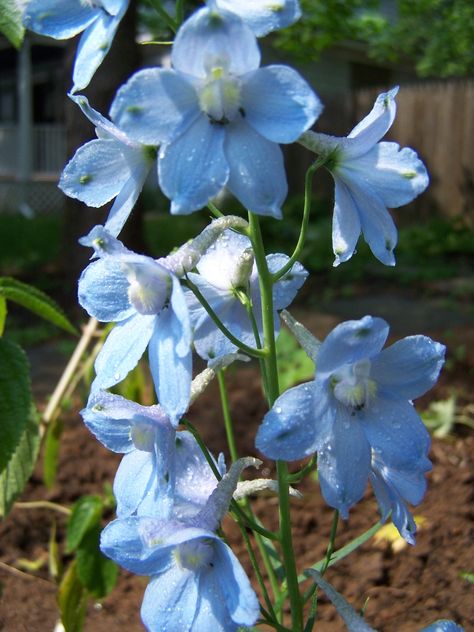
[43, 504]
[298, 476]
[256, 353]
[214, 210]
[308, 191]
[266, 291]
[229, 430]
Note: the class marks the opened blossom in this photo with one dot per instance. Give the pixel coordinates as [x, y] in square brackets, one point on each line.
[263, 16]
[358, 417]
[217, 116]
[97, 20]
[370, 177]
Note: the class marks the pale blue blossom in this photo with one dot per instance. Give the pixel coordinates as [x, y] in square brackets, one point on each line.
[146, 301]
[263, 16]
[112, 166]
[358, 416]
[97, 20]
[217, 116]
[226, 270]
[370, 176]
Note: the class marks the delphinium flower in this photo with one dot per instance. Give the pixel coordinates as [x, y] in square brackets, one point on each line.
[358, 416]
[112, 166]
[146, 301]
[263, 16]
[163, 471]
[225, 271]
[197, 584]
[97, 19]
[370, 176]
[217, 116]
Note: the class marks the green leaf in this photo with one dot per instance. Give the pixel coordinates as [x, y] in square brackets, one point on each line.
[15, 398]
[294, 365]
[96, 572]
[72, 600]
[86, 513]
[10, 22]
[36, 301]
[3, 314]
[22, 462]
[51, 452]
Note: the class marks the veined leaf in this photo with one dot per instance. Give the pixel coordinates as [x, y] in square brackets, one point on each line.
[11, 22]
[36, 301]
[15, 398]
[21, 464]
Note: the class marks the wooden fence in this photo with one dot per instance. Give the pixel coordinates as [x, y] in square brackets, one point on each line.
[437, 120]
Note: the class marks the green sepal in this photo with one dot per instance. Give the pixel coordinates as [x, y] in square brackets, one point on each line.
[35, 301]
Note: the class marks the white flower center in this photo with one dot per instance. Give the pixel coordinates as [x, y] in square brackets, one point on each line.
[219, 95]
[194, 554]
[352, 384]
[149, 287]
[143, 437]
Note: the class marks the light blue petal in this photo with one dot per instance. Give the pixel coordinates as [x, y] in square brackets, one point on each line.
[377, 225]
[170, 601]
[278, 103]
[171, 364]
[109, 418]
[103, 290]
[350, 342]
[231, 580]
[125, 201]
[193, 168]
[375, 125]
[297, 424]
[114, 6]
[396, 433]
[263, 16]
[344, 462]
[103, 125]
[410, 367]
[396, 175]
[346, 226]
[443, 625]
[135, 479]
[62, 21]
[257, 173]
[208, 37]
[408, 484]
[96, 173]
[155, 106]
[122, 540]
[285, 290]
[122, 350]
[93, 46]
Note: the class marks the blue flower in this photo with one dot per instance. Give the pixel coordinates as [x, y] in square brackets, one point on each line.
[358, 416]
[261, 15]
[197, 584]
[114, 165]
[226, 269]
[217, 116]
[62, 20]
[370, 176]
[147, 302]
[163, 473]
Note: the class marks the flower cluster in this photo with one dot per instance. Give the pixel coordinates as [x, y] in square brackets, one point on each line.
[216, 120]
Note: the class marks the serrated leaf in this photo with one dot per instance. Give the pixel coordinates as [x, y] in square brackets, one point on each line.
[11, 22]
[21, 464]
[85, 514]
[15, 398]
[51, 452]
[72, 601]
[36, 301]
[3, 314]
[96, 572]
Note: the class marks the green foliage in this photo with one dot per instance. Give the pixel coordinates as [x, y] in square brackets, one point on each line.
[441, 417]
[3, 314]
[72, 600]
[28, 244]
[434, 35]
[96, 572]
[467, 576]
[35, 301]
[294, 365]
[15, 399]
[10, 22]
[85, 515]
[20, 466]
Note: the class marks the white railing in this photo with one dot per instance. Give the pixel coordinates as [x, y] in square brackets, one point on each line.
[48, 150]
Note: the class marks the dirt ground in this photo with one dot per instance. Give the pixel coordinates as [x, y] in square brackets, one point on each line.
[406, 589]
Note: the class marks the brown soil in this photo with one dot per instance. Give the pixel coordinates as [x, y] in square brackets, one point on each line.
[406, 589]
